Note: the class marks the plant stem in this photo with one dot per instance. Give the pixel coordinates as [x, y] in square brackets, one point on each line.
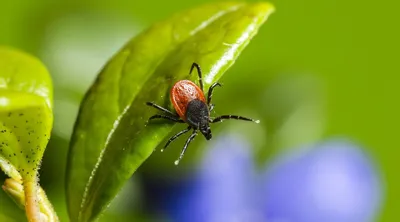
[16, 191]
[31, 201]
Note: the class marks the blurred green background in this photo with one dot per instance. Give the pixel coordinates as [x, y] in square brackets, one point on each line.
[316, 69]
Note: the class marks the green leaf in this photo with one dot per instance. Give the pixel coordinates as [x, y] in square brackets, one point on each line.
[25, 112]
[111, 138]
[26, 120]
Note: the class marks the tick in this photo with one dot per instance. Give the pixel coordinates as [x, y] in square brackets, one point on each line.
[192, 108]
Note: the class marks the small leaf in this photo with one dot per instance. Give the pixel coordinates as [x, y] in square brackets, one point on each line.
[111, 138]
[26, 120]
[15, 190]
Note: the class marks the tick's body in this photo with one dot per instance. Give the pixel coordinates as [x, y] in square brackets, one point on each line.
[183, 93]
[192, 107]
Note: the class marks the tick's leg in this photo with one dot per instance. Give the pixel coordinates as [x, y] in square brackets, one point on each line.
[175, 137]
[171, 118]
[198, 72]
[194, 134]
[160, 108]
[211, 107]
[220, 118]
[210, 92]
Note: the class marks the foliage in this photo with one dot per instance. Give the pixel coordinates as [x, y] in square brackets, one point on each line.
[111, 137]
[26, 120]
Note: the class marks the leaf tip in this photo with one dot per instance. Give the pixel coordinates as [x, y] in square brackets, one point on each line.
[264, 8]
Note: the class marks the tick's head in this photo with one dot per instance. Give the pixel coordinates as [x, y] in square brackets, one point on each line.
[205, 130]
[198, 116]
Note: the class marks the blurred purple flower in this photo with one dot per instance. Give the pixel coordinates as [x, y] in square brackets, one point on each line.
[334, 182]
[224, 187]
